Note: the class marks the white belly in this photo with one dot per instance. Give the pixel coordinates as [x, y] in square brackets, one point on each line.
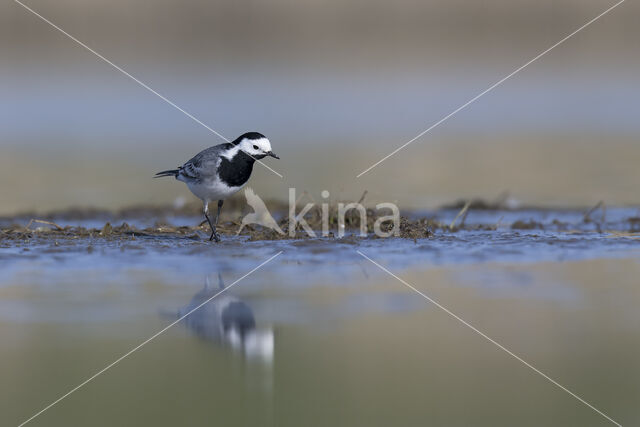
[212, 190]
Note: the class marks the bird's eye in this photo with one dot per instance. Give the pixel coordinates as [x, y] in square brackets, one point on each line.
[255, 147]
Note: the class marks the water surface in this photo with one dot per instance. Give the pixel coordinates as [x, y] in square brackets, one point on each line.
[321, 336]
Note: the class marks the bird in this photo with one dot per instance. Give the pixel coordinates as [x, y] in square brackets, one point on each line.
[218, 172]
[260, 214]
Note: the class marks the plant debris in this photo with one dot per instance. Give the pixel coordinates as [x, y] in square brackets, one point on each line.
[411, 226]
[527, 225]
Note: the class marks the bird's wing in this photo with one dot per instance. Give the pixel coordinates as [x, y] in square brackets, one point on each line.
[203, 164]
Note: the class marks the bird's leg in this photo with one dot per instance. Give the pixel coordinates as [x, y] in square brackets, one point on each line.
[220, 202]
[214, 235]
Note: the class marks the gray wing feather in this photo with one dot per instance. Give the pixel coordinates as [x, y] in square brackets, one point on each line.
[204, 164]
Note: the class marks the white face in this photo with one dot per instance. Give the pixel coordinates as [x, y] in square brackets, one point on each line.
[256, 147]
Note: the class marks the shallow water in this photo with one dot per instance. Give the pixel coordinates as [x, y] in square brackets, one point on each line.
[320, 335]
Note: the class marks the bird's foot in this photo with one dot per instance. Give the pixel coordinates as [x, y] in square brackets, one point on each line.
[214, 236]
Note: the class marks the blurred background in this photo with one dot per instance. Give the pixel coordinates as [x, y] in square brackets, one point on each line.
[336, 85]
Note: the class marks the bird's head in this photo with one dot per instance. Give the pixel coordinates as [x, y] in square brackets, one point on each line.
[255, 144]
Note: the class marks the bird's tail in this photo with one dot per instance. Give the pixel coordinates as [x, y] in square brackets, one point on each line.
[170, 172]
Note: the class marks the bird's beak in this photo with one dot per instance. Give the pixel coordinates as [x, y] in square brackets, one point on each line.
[272, 154]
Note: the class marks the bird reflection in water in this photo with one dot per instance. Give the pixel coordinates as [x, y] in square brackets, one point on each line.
[228, 321]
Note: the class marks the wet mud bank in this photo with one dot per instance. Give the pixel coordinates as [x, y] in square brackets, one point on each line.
[186, 222]
[157, 223]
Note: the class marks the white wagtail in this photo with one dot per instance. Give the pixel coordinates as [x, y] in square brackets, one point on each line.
[220, 171]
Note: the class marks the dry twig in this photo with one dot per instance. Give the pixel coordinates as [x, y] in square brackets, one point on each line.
[463, 211]
[41, 221]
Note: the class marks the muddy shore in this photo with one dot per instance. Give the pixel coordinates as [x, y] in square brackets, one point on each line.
[185, 222]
